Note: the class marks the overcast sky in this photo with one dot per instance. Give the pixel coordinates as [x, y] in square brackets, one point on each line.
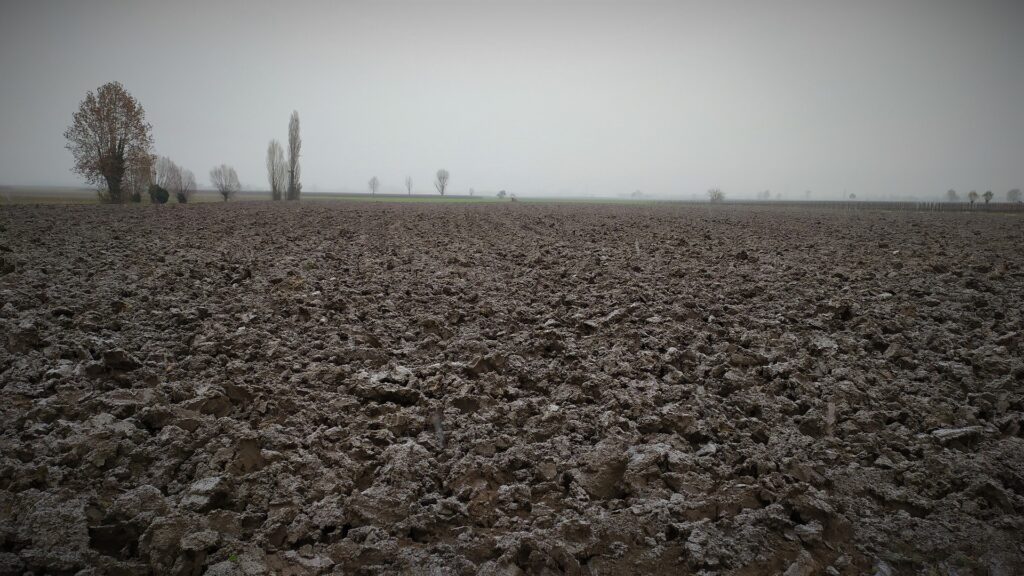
[872, 97]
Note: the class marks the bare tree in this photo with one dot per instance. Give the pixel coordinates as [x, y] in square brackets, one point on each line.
[502, 194]
[716, 195]
[952, 196]
[108, 134]
[225, 180]
[442, 181]
[166, 172]
[277, 170]
[294, 147]
[175, 179]
[987, 196]
[374, 185]
[972, 196]
[1013, 195]
[408, 185]
[186, 185]
[157, 193]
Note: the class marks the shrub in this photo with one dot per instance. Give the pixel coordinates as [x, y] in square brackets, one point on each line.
[158, 194]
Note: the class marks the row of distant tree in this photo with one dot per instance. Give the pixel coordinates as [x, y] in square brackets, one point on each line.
[113, 149]
[112, 146]
[973, 196]
[1014, 195]
[440, 183]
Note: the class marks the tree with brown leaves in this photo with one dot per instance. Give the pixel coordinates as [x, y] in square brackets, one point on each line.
[108, 135]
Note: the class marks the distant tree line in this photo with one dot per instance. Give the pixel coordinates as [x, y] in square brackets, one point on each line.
[111, 143]
[1012, 196]
[440, 183]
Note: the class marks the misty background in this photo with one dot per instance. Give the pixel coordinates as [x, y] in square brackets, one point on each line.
[878, 98]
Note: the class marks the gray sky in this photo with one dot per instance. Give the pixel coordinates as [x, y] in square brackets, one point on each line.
[870, 96]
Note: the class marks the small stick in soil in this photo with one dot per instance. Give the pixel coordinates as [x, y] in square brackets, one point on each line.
[436, 419]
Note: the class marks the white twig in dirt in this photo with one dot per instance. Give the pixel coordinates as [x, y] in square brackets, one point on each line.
[437, 420]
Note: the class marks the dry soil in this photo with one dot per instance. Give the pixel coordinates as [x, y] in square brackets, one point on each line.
[507, 388]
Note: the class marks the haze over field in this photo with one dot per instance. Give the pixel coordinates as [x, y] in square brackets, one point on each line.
[875, 98]
[256, 321]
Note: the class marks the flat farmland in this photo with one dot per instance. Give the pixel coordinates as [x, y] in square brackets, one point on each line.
[379, 388]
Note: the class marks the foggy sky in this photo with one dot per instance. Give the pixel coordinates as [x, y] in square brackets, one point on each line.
[874, 97]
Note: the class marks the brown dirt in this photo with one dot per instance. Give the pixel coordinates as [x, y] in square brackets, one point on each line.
[503, 389]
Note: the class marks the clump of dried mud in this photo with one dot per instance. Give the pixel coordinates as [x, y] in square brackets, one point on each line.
[503, 389]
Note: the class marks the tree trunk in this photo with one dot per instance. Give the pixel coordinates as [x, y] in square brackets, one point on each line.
[114, 177]
[114, 189]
